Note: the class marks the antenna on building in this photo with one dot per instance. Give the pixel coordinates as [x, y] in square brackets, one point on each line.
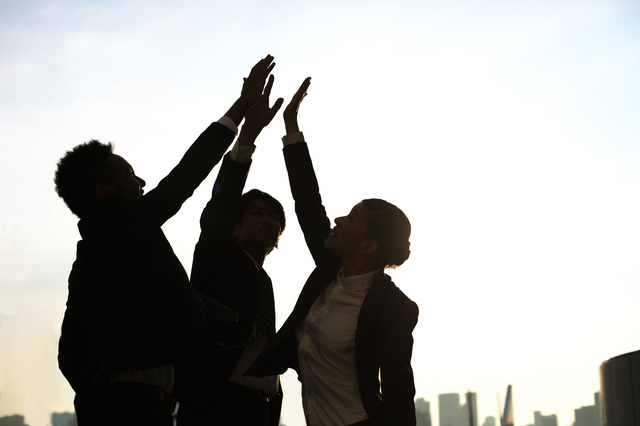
[470, 408]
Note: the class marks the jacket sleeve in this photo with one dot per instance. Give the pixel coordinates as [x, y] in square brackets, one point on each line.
[396, 374]
[218, 219]
[312, 215]
[161, 203]
[220, 269]
[71, 348]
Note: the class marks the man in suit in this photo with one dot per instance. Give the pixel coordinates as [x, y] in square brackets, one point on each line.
[131, 312]
[238, 232]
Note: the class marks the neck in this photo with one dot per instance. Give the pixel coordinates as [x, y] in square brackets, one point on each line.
[257, 255]
[351, 267]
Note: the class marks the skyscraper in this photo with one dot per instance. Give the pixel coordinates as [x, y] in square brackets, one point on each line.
[540, 420]
[448, 408]
[423, 412]
[471, 408]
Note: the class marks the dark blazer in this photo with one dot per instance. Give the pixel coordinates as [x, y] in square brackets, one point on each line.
[223, 271]
[387, 317]
[130, 304]
[220, 268]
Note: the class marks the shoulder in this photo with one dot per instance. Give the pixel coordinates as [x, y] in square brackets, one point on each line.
[398, 305]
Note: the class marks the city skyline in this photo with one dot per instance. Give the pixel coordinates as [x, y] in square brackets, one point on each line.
[506, 130]
[584, 416]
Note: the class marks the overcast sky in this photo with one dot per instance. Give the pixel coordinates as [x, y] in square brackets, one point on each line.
[508, 132]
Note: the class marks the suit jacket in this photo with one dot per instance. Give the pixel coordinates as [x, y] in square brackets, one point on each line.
[130, 304]
[223, 271]
[387, 317]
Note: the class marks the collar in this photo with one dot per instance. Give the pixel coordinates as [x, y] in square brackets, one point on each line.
[356, 283]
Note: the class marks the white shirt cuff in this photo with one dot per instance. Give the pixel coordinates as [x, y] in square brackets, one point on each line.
[226, 121]
[242, 154]
[293, 138]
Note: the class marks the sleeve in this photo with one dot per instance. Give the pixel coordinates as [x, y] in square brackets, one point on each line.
[161, 203]
[71, 348]
[396, 374]
[220, 269]
[218, 219]
[312, 215]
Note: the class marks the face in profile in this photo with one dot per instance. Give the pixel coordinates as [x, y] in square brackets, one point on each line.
[350, 233]
[124, 183]
[259, 227]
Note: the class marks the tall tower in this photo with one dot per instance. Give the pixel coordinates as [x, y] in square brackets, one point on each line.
[448, 408]
[472, 408]
[423, 412]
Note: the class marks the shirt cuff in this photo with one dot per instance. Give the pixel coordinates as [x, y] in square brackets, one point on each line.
[293, 138]
[241, 154]
[226, 121]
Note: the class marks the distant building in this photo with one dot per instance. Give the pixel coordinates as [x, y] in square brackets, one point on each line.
[451, 413]
[15, 420]
[589, 415]
[423, 412]
[63, 419]
[540, 420]
[448, 408]
[472, 400]
[489, 421]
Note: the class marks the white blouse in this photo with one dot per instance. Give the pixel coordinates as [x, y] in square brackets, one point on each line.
[326, 353]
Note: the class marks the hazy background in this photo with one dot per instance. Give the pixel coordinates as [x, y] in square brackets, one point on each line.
[508, 131]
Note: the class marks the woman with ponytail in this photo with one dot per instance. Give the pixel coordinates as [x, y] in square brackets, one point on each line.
[349, 336]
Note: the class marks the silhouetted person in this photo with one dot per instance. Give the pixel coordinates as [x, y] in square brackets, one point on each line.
[349, 336]
[238, 232]
[131, 312]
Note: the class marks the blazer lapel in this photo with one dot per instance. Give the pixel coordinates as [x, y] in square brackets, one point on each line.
[368, 312]
[316, 283]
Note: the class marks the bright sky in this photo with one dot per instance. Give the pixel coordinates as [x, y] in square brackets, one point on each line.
[508, 132]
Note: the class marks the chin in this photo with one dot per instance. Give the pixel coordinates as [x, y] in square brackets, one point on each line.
[328, 244]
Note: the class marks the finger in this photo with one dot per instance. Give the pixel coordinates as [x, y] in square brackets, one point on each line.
[277, 105]
[305, 85]
[267, 88]
[301, 93]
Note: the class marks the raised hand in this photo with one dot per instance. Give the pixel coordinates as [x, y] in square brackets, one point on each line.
[291, 111]
[253, 85]
[259, 116]
[251, 89]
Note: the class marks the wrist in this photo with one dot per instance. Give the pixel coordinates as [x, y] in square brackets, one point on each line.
[248, 137]
[291, 126]
[238, 110]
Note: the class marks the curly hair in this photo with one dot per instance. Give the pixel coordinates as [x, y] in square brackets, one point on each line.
[391, 229]
[78, 171]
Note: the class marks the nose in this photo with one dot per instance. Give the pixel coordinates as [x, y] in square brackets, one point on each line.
[337, 220]
[141, 181]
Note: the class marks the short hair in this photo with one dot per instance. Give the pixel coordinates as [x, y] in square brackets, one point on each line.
[77, 173]
[255, 194]
[391, 229]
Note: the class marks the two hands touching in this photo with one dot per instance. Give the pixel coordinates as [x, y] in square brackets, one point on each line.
[256, 101]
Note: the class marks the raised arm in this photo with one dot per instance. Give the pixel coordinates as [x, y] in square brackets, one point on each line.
[291, 111]
[312, 215]
[166, 199]
[252, 89]
[218, 216]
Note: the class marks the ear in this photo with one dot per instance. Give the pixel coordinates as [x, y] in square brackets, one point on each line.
[236, 230]
[104, 189]
[369, 247]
